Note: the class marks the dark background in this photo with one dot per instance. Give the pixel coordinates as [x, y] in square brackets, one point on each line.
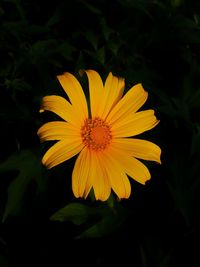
[153, 42]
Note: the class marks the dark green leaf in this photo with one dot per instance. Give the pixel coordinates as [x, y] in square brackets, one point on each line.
[92, 39]
[101, 55]
[92, 8]
[109, 224]
[3, 261]
[75, 212]
[29, 169]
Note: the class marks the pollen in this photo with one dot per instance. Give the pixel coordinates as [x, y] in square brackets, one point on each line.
[96, 134]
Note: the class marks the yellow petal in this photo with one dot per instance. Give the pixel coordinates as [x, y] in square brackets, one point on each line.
[118, 179]
[133, 167]
[96, 91]
[62, 151]
[138, 148]
[136, 170]
[57, 130]
[87, 173]
[81, 178]
[130, 103]
[75, 93]
[88, 186]
[134, 124]
[59, 106]
[101, 183]
[112, 93]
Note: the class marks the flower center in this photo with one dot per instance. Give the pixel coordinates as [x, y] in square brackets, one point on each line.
[96, 134]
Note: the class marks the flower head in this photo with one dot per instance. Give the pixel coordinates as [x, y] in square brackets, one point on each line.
[107, 154]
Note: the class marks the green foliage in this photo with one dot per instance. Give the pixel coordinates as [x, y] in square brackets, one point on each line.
[108, 218]
[29, 170]
[153, 42]
[74, 212]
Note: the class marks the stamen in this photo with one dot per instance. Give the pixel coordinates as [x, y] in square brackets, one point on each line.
[96, 134]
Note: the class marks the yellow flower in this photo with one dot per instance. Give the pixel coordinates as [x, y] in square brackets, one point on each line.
[106, 154]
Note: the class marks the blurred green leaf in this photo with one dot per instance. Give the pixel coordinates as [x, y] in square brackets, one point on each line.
[140, 5]
[92, 39]
[114, 47]
[74, 212]
[44, 49]
[66, 50]
[195, 146]
[100, 55]
[92, 8]
[2, 12]
[143, 257]
[176, 108]
[108, 217]
[29, 169]
[56, 17]
[15, 29]
[111, 201]
[194, 100]
[167, 260]
[3, 261]
[106, 30]
[186, 30]
[183, 186]
[176, 3]
[109, 224]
